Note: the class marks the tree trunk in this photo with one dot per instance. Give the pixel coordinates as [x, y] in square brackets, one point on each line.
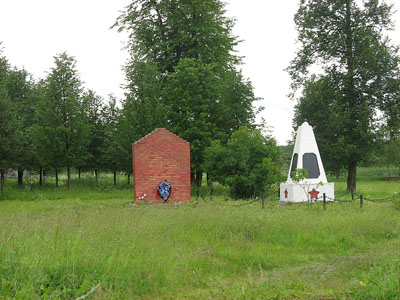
[199, 178]
[351, 94]
[79, 173]
[69, 176]
[192, 177]
[56, 178]
[2, 179]
[129, 178]
[209, 182]
[115, 176]
[41, 176]
[95, 174]
[351, 176]
[20, 176]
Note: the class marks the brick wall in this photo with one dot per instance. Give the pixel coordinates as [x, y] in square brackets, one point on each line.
[161, 155]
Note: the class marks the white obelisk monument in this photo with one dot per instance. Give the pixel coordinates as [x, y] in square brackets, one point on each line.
[306, 156]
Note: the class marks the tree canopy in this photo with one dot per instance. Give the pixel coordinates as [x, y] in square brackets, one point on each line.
[183, 73]
[5, 121]
[61, 118]
[166, 31]
[248, 164]
[344, 40]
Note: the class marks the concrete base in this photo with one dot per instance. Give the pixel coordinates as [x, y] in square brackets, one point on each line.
[292, 192]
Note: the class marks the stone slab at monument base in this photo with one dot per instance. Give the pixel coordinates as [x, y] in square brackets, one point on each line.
[293, 192]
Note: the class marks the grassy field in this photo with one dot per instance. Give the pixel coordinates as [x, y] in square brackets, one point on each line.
[90, 243]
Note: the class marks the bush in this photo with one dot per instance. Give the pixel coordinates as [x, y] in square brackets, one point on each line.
[248, 164]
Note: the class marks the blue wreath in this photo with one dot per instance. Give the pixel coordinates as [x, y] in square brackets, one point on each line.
[164, 189]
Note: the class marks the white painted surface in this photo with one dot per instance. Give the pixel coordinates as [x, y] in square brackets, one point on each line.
[300, 192]
[292, 192]
[306, 143]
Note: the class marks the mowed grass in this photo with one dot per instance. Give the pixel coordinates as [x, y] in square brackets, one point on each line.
[90, 243]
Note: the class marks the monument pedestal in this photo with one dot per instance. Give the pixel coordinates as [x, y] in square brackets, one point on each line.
[293, 192]
[161, 158]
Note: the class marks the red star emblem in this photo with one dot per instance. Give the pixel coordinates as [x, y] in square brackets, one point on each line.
[313, 194]
[286, 193]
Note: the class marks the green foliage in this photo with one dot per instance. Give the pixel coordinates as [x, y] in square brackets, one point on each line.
[358, 78]
[17, 100]
[112, 153]
[236, 103]
[389, 154]
[6, 128]
[94, 109]
[166, 31]
[61, 123]
[182, 74]
[287, 152]
[248, 164]
[142, 110]
[143, 107]
[192, 95]
[299, 175]
[22, 93]
[319, 108]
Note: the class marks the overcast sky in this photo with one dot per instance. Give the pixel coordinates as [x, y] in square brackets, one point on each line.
[33, 31]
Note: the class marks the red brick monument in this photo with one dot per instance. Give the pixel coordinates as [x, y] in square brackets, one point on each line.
[161, 168]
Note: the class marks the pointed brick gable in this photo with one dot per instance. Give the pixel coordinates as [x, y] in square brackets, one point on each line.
[161, 155]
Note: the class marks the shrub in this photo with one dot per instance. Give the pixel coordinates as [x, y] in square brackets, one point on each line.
[248, 164]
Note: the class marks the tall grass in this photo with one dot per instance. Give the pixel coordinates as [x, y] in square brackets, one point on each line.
[89, 241]
[60, 250]
[81, 189]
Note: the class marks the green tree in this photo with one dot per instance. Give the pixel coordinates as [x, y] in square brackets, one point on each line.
[389, 152]
[43, 149]
[6, 122]
[237, 102]
[94, 160]
[192, 96]
[5, 135]
[165, 31]
[62, 122]
[248, 164]
[112, 151]
[391, 122]
[319, 107]
[143, 107]
[170, 39]
[21, 91]
[345, 41]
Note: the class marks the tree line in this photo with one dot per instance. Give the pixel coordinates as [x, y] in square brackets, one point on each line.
[54, 124]
[183, 75]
